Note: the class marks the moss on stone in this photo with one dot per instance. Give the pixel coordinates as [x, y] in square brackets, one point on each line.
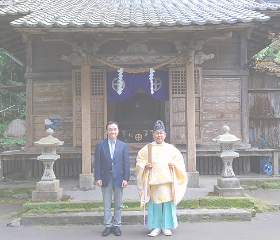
[48, 206]
[261, 208]
[260, 184]
[189, 203]
[8, 192]
[253, 211]
[226, 202]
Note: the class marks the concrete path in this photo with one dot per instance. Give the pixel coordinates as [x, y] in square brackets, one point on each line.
[70, 188]
[263, 226]
[207, 182]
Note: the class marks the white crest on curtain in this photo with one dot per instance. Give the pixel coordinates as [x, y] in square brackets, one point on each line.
[120, 82]
[151, 77]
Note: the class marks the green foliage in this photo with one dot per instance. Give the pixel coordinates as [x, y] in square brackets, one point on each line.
[268, 59]
[9, 143]
[11, 74]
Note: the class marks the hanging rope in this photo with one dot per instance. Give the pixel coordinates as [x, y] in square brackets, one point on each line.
[136, 70]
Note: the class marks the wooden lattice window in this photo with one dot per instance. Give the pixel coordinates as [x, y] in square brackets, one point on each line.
[97, 85]
[177, 105]
[98, 103]
[178, 81]
[77, 79]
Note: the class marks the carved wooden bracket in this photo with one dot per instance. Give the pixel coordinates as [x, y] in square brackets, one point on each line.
[200, 57]
[75, 58]
[137, 48]
[136, 53]
[82, 49]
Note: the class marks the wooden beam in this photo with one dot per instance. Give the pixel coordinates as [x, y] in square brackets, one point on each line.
[86, 119]
[224, 73]
[190, 117]
[48, 75]
[29, 135]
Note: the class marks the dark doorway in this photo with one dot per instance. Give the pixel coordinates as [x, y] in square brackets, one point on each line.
[137, 116]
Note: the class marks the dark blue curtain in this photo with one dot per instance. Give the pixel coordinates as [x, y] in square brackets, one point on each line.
[133, 81]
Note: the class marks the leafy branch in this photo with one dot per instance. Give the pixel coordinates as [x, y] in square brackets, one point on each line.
[268, 59]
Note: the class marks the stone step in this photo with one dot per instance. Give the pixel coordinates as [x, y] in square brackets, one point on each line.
[133, 217]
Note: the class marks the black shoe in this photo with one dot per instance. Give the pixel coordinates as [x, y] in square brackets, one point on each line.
[107, 231]
[117, 231]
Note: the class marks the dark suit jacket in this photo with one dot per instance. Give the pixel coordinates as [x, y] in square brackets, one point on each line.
[104, 164]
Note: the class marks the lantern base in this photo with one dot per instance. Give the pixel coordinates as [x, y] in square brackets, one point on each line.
[47, 191]
[52, 196]
[228, 187]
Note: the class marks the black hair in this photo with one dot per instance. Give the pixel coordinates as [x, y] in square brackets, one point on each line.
[111, 122]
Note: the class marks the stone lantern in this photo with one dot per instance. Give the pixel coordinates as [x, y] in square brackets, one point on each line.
[48, 188]
[227, 185]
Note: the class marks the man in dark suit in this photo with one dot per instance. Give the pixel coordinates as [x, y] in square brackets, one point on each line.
[112, 174]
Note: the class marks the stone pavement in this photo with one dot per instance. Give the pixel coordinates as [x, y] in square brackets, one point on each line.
[207, 182]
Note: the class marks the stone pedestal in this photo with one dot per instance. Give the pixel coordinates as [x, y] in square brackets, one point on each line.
[193, 179]
[86, 181]
[48, 188]
[47, 191]
[228, 187]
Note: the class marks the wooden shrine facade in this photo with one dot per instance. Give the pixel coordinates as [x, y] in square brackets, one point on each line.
[209, 80]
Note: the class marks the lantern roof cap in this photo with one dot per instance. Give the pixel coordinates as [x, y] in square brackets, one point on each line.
[226, 137]
[49, 140]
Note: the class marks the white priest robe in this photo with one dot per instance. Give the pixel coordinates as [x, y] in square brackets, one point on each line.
[161, 184]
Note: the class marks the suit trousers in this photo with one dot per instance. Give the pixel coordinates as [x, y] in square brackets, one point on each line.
[107, 194]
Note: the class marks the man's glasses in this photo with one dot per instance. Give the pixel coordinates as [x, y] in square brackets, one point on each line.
[112, 130]
[159, 133]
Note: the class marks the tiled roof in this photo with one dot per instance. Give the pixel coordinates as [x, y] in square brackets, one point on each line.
[139, 13]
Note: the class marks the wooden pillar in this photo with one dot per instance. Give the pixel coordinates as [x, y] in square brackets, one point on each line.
[190, 117]
[86, 119]
[244, 91]
[244, 110]
[29, 134]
